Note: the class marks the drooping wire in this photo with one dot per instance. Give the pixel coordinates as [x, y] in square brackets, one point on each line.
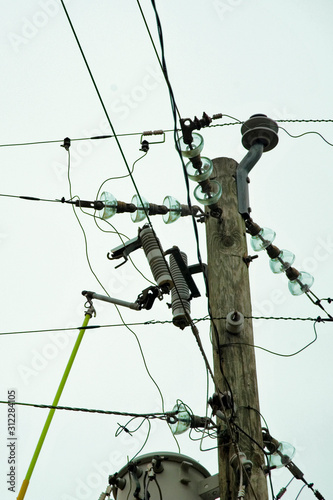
[306, 133]
[113, 227]
[79, 222]
[300, 491]
[99, 282]
[112, 128]
[124, 428]
[277, 353]
[250, 438]
[121, 237]
[121, 176]
[175, 111]
[145, 441]
[258, 412]
[255, 442]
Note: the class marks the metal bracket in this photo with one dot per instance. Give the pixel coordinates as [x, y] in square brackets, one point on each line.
[188, 125]
[184, 476]
[243, 169]
[259, 134]
[208, 488]
[147, 297]
[124, 250]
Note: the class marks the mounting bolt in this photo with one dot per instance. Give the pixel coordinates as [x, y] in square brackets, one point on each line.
[249, 258]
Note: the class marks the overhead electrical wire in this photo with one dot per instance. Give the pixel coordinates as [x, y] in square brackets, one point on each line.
[193, 327]
[175, 111]
[152, 322]
[300, 491]
[273, 352]
[116, 307]
[165, 131]
[157, 415]
[104, 289]
[117, 140]
[145, 441]
[170, 90]
[103, 106]
[124, 428]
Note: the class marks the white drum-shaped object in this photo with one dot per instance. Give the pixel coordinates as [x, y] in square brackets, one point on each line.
[161, 476]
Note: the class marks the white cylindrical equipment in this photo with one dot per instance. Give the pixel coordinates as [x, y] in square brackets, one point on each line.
[166, 475]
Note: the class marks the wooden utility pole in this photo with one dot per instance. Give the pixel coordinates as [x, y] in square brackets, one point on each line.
[229, 291]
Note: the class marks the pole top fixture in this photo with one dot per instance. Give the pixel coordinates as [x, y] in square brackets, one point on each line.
[260, 128]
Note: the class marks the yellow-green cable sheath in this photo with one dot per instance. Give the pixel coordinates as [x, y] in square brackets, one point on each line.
[51, 412]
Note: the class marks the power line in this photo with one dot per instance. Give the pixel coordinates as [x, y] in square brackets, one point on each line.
[102, 104]
[116, 138]
[165, 131]
[153, 322]
[159, 416]
[97, 137]
[100, 283]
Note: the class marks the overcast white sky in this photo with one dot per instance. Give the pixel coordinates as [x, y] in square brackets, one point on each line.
[237, 57]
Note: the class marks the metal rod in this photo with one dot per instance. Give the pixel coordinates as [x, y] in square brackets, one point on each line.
[244, 167]
[132, 305]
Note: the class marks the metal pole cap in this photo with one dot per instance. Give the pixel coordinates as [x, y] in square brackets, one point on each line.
[260, 128]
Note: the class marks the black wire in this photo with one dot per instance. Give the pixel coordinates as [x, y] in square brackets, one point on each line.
[117, 308]
[258, 412]
[143, 323]
[277, 353]
[175, 110]
[212, 125]
[250, 437]
[124, 428]
[145, 416]
[300, 491]
[104, 108]
[146, 440]
[158, 487]
[306, 133]
[29, 198]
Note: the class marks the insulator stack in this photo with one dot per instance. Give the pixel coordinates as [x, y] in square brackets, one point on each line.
[180, 294]
[158, 266]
